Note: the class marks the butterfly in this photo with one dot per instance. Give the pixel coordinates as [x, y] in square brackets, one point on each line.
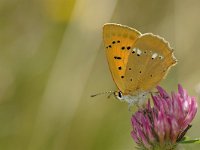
[138, 62]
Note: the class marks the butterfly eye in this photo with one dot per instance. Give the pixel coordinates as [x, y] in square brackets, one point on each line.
[119, 94]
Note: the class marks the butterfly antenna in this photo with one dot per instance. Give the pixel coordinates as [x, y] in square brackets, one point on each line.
[109, 92]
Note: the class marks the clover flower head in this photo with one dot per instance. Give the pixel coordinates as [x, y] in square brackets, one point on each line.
[165, 124]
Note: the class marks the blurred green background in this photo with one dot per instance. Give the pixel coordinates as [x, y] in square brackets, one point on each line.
[52, 59]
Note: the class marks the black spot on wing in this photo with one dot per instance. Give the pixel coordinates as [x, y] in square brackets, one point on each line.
[120, 68]
[128, 47]
[117, 57]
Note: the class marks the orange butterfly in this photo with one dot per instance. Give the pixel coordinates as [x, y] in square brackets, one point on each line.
[138, 62]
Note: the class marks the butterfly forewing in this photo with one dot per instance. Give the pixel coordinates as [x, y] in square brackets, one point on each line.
[118, 41]
[148, 63]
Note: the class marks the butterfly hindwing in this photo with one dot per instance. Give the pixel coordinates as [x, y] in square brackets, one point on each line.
[118, 41]
[148, 63]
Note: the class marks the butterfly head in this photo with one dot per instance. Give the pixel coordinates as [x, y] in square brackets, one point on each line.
[119, 95]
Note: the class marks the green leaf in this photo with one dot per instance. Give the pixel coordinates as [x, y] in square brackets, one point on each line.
[187, 140]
